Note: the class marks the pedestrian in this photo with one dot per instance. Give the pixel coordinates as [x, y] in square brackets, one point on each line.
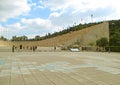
[33, 49]
[54, 48]
[13, 47]
[109, 50]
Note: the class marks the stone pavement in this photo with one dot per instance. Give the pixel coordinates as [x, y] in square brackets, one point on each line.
[59, 68]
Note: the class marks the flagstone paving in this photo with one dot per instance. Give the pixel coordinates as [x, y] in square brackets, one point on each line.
[59, 68]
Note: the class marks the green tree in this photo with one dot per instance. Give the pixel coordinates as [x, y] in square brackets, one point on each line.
[115, 39]
[20, 38]
[102, 42]
[3, 38]
[37, 37]
[14, 38]
[24, 38]
[114, 32]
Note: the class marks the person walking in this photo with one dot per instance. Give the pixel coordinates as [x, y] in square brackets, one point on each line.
[109, 50]
[13, 48]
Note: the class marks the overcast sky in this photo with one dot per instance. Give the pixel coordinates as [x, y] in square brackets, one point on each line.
[38, 17]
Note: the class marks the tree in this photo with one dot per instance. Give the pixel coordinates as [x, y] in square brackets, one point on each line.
[24, 38]
[3, 38]
[14, 38]
[102, 42]
[115, 39]
[37, 37]
[20, 38]
[114, 32]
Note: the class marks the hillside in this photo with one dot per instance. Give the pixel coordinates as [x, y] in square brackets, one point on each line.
[55, 34]
[83, 37]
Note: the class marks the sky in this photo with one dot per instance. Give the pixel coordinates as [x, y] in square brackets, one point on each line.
[39, 17]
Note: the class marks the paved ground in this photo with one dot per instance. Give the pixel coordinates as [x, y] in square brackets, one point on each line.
[59, 68]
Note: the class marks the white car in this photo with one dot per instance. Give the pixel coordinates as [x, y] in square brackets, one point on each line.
[74, 49]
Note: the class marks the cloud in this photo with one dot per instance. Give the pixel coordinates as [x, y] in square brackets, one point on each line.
[55, 4]
[65, 12]
[81, 5]
[3, 31]
[35, 4]
[13, 8]
[1, 28]
[15, 26]
[30, 28]
[39, 24]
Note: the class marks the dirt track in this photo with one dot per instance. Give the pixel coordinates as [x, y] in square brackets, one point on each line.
[59, 68]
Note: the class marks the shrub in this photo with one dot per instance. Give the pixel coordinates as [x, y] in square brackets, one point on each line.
[113, 48]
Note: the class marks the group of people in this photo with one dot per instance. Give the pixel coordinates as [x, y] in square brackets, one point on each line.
[33, 48]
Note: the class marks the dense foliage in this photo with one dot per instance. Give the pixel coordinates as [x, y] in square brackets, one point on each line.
[3, 38]
[113, 48]
[114, 26]
[20, 38]
[102, 42]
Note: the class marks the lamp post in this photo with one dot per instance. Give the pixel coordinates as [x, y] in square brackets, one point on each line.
[91, 18]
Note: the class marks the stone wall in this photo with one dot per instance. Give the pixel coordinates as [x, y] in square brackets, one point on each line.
[91, 34]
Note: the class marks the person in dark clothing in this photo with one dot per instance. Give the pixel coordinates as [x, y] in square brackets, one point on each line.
[54, 48]
[109, 50]
[13, 48]
[33, 49]
[20, 46]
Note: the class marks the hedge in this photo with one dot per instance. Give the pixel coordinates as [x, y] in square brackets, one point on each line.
[113, 48]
